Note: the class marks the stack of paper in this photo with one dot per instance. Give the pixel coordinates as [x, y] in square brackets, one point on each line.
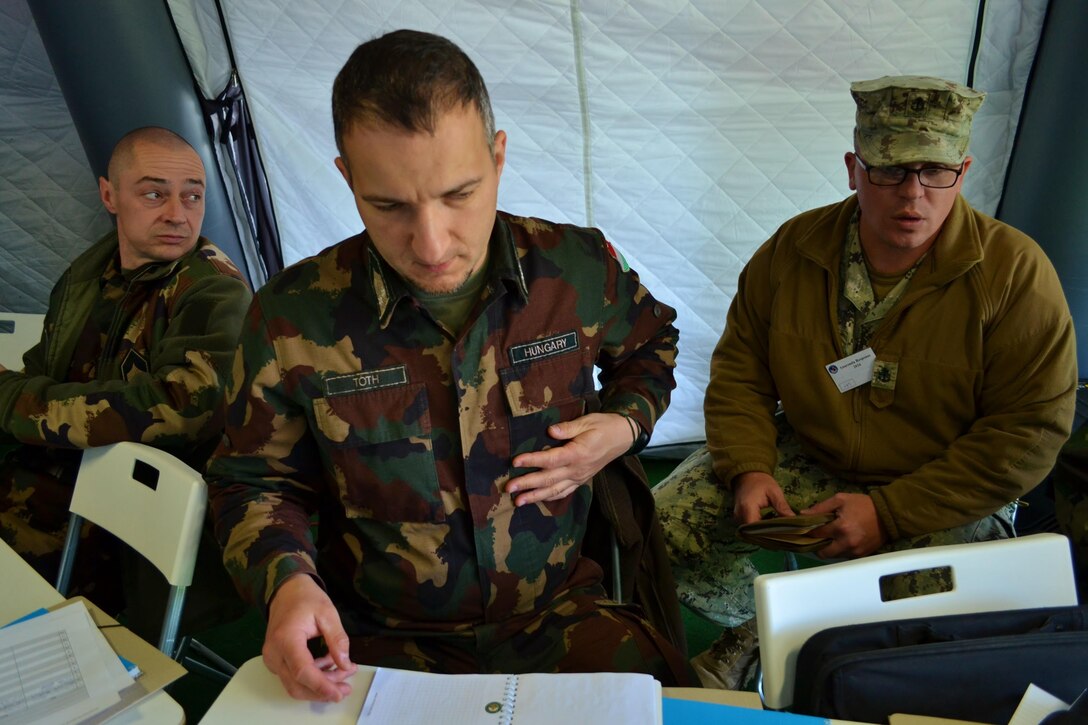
[58, 668]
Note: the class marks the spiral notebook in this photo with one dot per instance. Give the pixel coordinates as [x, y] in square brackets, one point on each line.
[405, 698]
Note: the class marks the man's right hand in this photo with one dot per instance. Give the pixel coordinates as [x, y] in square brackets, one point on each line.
[754, 491]
[301, 610]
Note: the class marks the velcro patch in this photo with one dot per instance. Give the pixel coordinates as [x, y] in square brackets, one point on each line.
[539, 349]
[884, 374]
[366, 380]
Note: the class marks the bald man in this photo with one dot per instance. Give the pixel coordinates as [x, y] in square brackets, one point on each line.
[139, 332]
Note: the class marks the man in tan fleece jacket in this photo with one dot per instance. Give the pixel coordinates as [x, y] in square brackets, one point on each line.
[922, 357]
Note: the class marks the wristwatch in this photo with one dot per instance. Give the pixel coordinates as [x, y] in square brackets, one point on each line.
[640, 442]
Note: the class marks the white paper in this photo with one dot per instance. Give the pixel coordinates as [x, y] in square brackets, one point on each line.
[1036, 704]
[604, 697]
[57, 668]
[853, 370]
[419, 698]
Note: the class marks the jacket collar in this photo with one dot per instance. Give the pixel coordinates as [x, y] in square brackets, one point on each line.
[92, 263]
[82, 289]
[389, 288]
[957, 249]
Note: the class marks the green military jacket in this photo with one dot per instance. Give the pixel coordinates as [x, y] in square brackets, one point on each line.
[159, 379]
[973, 386]
[349, 401]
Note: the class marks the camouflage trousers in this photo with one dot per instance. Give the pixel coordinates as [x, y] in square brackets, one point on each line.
[580, 631]
[713, 567]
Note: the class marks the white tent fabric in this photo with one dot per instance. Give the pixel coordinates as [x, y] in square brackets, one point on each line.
[687, 130]
[202, 37]
[49, 206]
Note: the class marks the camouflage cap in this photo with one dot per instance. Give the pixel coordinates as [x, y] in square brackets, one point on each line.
[906, 119]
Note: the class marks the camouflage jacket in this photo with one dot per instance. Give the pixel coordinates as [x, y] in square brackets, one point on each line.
[350, 401]
[159, 378]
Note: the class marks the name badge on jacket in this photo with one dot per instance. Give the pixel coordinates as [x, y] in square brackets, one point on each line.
[853, 370]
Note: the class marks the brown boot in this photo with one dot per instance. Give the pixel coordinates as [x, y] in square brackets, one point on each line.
[729, 663]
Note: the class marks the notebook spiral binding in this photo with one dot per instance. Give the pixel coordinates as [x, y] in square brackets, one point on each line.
[509, 700]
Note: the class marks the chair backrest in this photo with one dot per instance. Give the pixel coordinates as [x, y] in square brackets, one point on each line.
[147, 498]
[1022, 573]
[18, 333]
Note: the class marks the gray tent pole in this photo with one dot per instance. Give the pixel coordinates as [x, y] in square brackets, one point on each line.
[120, 66]
[1046, 192]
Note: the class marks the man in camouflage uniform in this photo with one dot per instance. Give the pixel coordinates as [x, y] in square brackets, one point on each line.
[922, 354]
[423, 388]
[138, 333]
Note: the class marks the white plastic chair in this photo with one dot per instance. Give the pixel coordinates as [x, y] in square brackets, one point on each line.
[18, 333]
[1022, 573]
[151, 501]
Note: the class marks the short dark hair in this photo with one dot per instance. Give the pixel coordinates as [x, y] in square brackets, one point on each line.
[407, 79]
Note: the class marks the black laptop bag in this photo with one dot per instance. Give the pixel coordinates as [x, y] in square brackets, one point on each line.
[966, 666]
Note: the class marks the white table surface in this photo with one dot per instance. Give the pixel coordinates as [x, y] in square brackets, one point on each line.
[25, 591]
[255, 695]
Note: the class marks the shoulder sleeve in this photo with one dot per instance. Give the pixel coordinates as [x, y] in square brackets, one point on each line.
[176, 400]
[741, 396]
[1026, 401]
[261, 499]
[638, 345]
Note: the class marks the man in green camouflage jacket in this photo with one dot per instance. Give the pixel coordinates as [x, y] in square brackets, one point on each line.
[423, 388]
[138, 333]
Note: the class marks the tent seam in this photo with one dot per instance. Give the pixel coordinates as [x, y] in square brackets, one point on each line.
[583, 104]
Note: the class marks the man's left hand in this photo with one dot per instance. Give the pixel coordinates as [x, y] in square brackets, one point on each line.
[3, 369]
[856, 531]
[592, 442]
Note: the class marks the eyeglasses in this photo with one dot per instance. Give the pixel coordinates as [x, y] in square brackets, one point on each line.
[933, 177]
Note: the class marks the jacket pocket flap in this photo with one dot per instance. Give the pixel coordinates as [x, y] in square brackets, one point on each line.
[374, 416]
[531, 388]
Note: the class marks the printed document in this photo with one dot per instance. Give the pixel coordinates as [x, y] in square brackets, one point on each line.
[57, 668]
